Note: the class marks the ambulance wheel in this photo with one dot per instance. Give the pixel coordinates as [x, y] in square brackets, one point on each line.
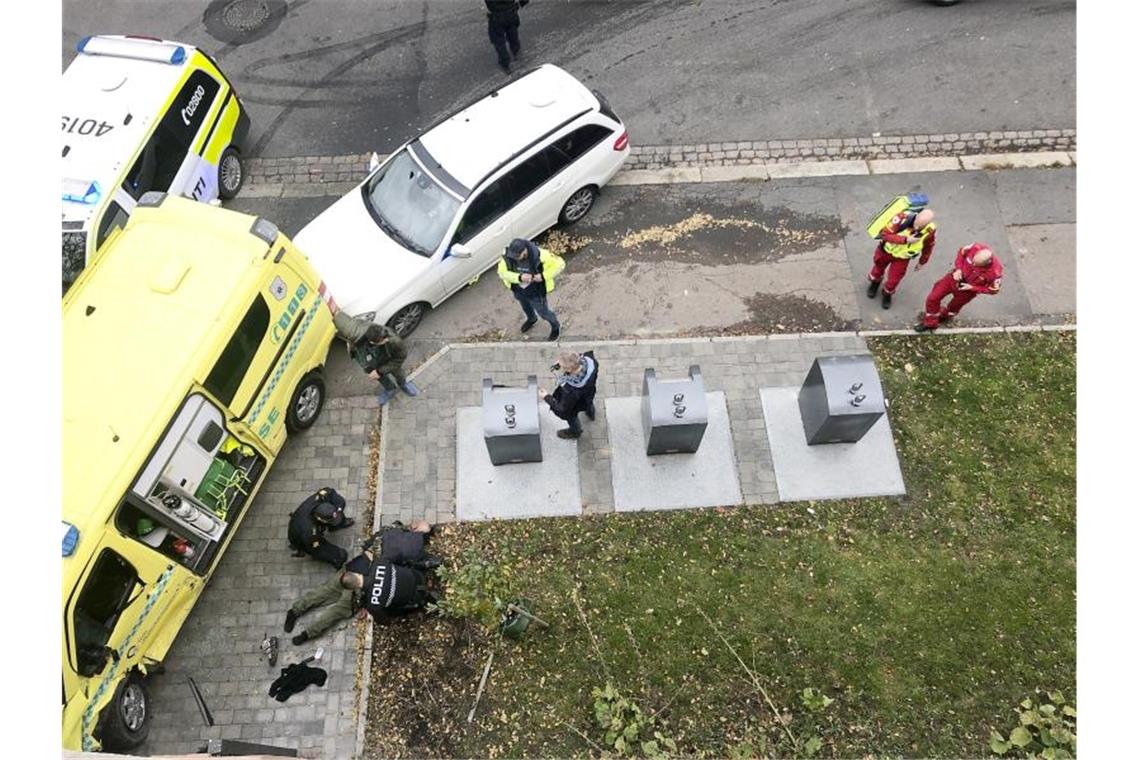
[577, 205]
[125, 722]
[231, 174]
[306, 404]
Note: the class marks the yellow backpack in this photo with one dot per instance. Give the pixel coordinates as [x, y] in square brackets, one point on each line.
[911, 203]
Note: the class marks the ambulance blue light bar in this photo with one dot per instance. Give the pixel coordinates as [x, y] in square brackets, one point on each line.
[82, 191]
[140, 48]
[70, 538]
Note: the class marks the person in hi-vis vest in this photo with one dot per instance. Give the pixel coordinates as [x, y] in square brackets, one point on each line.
[898, 244]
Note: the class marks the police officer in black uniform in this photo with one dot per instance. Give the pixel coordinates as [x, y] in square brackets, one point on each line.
[503, 29]
[321, 512]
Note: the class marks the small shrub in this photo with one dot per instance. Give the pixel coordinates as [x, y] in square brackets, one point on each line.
[626, 727]
[1046, 729]
[475, 588]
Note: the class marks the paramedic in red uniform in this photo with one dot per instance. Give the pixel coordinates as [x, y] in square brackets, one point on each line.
[898, 244]
[976, 270]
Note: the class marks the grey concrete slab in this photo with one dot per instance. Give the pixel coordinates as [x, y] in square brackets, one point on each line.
[549, 488]
[1047, 257]
[966, 205]
[707, 478]
[1033, 196]
[832, 471]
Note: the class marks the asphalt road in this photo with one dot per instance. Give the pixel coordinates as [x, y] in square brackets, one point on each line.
[348, 76]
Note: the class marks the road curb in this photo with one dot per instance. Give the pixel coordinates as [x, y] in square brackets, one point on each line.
[989, 329]
[757, 172]
[312, 176]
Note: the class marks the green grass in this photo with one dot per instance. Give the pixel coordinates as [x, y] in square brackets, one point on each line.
[926, 619]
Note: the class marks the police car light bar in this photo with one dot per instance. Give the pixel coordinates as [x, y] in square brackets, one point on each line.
[138, 48]
[82, 191]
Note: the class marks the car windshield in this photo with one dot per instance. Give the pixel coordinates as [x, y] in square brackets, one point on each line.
[410, 205]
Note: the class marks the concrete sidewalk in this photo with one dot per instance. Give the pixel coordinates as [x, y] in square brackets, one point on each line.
[758, 257]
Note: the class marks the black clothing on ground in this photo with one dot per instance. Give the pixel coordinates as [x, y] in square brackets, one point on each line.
[295, 679]
[321, 512]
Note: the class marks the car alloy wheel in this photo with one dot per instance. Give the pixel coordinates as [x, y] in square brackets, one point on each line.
[407, 319]
[577, 205]
[132, 707]
[231, 174]
[308, 403]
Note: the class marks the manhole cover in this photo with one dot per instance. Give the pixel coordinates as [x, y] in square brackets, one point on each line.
[245, 15]
[237, 22]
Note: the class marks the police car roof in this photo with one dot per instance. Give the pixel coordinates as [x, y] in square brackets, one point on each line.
[113, 90]
[473, 142]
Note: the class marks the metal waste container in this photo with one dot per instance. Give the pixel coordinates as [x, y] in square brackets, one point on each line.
[510, 422]
[674, 413]
[840, 399]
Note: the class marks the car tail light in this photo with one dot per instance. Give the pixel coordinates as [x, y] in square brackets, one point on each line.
[327, 295]
[622, 142]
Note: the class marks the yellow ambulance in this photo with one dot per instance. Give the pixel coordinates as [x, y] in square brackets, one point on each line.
[142, 114]
[190, 346]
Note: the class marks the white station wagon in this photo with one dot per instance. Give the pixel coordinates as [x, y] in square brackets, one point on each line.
[440, 210]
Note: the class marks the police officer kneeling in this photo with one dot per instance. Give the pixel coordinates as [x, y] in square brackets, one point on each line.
[321, 512]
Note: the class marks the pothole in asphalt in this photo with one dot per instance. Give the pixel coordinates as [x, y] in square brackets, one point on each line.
[237, 22]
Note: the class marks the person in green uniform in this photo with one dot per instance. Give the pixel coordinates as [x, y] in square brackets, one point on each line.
[380, 352]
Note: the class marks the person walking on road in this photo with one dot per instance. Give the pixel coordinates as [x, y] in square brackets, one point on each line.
[905, 236]
[577, 384]
[503, 29]
[529, 272]
[379, 351]
[976, 270]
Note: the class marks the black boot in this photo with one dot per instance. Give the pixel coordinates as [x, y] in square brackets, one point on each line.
[528, 324]
[886, 300]
[301, 638]
[290, 621]
[921, 327]
[872, 289]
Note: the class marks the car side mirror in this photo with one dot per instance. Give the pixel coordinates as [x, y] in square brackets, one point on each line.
[460, 251]
[373, 162]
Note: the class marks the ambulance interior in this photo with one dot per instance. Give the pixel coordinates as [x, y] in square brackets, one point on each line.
[193, 488]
